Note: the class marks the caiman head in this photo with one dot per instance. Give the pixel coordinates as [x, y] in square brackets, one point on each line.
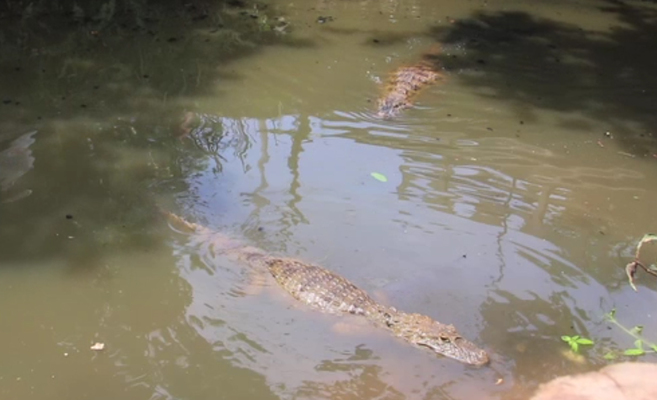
[441, 339]
[391, 106]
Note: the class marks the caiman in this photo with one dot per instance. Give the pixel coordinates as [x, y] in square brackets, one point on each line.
[407, 81]
[328, 292]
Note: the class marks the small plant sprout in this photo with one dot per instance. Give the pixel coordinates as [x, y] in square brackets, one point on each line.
[575, 341]
[641, 344]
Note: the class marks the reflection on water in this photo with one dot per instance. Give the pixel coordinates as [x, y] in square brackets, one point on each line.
[507, 210]
[480, 222]
[16, 161]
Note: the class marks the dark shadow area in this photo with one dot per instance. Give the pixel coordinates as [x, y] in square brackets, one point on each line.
[541, 64]
[128, 52]
[101, 84]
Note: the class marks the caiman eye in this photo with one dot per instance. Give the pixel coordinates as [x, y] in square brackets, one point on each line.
[446, 338]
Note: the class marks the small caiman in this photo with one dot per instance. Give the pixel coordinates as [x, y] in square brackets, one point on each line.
[405, 82]
[328, 292]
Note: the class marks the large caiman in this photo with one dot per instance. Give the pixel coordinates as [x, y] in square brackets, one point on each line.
[328, 292]
[405, 82]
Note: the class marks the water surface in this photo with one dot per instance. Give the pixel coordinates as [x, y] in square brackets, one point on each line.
[516, 191]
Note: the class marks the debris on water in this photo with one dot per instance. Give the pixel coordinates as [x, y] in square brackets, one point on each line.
[324, 19]
[98, 346]
[69, 216]
[499, 381]
[632, 267]
[280, 25]
[379, 177]
[609, 135]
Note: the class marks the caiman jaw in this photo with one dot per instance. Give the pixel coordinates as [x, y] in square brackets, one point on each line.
[457, 348]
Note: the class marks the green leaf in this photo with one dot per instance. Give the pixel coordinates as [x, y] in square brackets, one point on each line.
[566, 339]
[654, 347]
[638, 344]
[379, 177]
[584, 341]
[575, 338]
[611, 314]
[610, 356]
[574, 346]
[634, 352]
[638, 329]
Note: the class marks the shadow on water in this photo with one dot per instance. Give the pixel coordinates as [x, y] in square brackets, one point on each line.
[541, 64]
[101, 93]
[89, 112]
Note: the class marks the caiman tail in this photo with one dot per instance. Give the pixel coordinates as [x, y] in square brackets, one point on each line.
[329, 292]
[405, 82]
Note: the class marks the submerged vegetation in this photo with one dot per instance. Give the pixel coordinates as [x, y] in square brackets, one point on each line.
[641, 344]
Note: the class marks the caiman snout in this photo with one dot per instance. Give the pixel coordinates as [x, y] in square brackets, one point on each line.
[458, 349]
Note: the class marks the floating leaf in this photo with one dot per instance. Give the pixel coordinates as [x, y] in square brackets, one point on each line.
[379, 177]
[566, 339]
[634, 352]
[610, 356]
[584, 341]
[574, 346]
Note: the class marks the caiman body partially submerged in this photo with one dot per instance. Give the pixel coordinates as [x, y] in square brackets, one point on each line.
[406, 82]
[328, 292]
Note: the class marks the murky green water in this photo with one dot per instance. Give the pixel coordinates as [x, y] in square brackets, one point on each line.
[508, 211]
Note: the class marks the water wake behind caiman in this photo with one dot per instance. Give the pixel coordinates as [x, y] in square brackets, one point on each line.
[328, 292]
